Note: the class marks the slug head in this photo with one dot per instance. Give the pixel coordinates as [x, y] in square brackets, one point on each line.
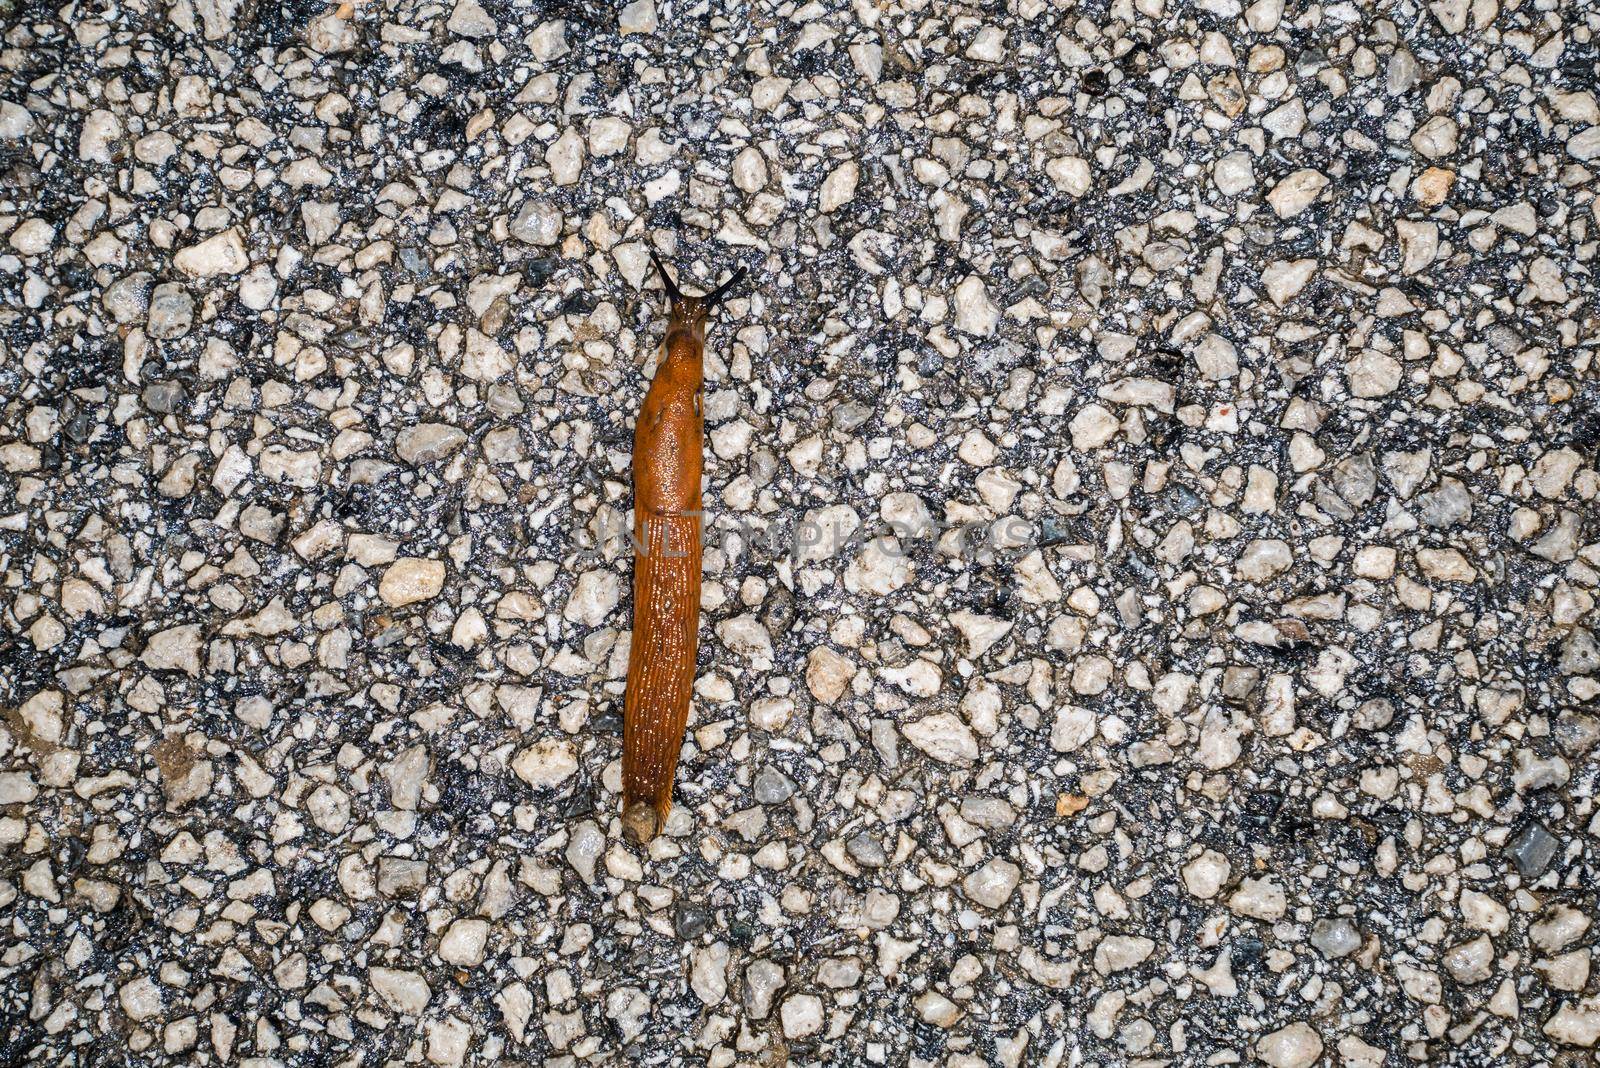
[689, 313]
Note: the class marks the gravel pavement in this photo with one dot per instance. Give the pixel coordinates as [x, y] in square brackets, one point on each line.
[1149, 610]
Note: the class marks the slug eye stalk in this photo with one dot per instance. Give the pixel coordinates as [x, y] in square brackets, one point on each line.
[715, 297]
[666, 279]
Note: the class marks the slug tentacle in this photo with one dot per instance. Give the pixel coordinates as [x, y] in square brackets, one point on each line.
[666, 279]
[714, 298]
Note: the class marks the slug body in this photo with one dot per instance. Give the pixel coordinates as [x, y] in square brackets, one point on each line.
[667, 462]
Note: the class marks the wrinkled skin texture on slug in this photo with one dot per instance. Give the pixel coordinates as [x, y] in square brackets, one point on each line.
[667, 462]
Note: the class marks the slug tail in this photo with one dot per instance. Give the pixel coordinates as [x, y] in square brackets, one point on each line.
[640, 822]
[661, 659]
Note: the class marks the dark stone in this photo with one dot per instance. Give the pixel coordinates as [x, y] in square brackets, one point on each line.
[1533, 849]
[164, 397]
[866, 850]
[79, 427]
[538, 271]
[1053, 531]
[579, 805]
[1247, 953]
[778, 613]
[690, 921]
[1185, 501]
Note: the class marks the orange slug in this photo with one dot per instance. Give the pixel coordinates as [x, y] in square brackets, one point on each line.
[667, 444]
